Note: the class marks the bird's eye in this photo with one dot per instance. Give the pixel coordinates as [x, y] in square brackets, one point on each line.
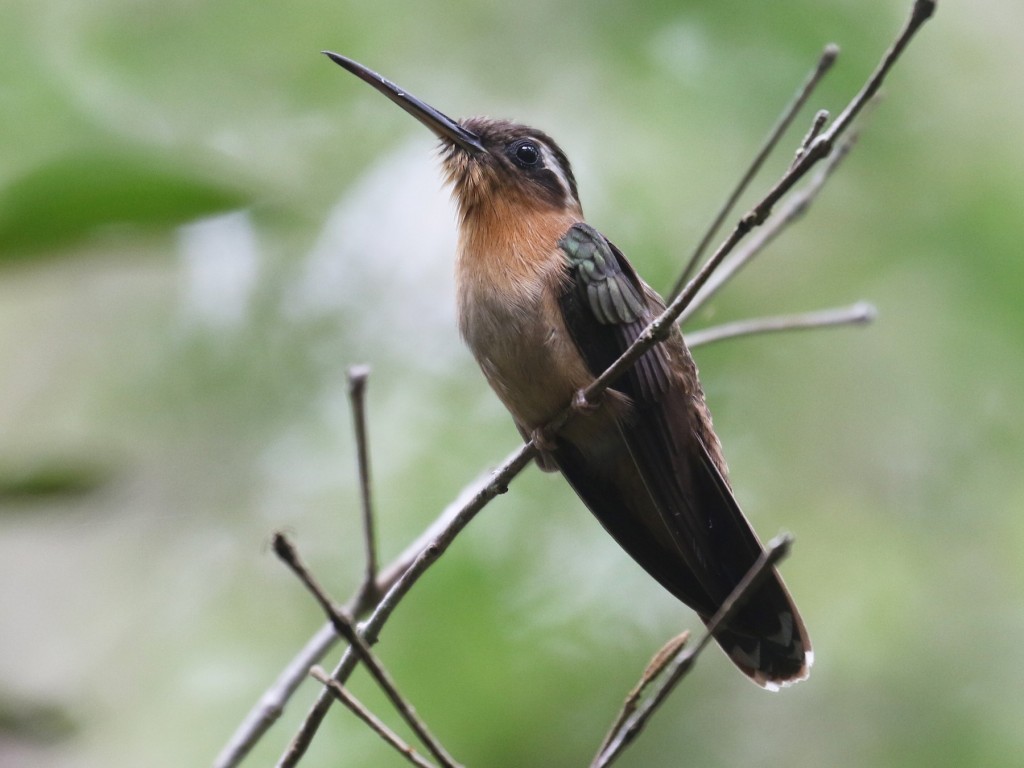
[526, 153]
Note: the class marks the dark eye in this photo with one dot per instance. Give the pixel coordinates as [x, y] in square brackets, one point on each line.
[526, 153]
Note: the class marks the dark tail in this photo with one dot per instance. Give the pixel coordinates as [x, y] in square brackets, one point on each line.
[672, 510]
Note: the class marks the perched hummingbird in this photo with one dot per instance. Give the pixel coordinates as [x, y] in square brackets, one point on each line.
[546, 303]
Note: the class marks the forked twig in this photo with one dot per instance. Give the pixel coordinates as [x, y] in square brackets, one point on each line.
[271, 704]
[463, 510]
[343, 626]
[627, 728]
[375, 724]
[820, 119]
[655, 667]
[825, 62]
[820, 148]
[792, 209]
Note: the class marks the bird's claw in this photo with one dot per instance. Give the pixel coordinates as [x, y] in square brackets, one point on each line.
[545, 444]
[582, 404]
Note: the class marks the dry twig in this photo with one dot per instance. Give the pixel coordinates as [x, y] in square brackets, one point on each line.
[825, 62]
[357, 376]
[629, 725]
[343, 626]
[374, 723]
[856, 314]
[271, 704]
[470, 502]
[820, 148]
[655, 667]
[793, 208]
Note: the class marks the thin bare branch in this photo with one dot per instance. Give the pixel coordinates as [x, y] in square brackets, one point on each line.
[271, 704]
[470, 502]
[376, 725]
[820, 148]
[676, 669]
[357, 376]
[860, 313]
[792, 210]
[654, 669]
[825, 62]
[820, 118]
[919, 14]
[343, 626]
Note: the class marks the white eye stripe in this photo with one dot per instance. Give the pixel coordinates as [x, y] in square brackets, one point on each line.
[552, 164]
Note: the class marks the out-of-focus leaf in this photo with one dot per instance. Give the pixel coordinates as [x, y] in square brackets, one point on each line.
[42, 723]
[75, 194]
[49, 479]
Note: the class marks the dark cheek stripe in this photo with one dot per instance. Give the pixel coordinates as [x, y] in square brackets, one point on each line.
[551, 188]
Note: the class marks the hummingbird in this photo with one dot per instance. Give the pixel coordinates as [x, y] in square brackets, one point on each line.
[546, 303]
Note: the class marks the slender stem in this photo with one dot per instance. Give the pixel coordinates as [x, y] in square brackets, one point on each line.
[654, 669]
[271, 704]
[376, 724]
[855, 314]
[919, 14]
[685, 659]
[822, 146]
[357, 376]
[820, 118]
[343, 625]
[471, 501]
[795, 208]
[825, 62]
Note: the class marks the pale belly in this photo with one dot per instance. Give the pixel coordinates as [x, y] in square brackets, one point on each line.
[526, 353]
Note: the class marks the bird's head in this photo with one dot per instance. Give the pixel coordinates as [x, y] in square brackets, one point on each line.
[487, 160]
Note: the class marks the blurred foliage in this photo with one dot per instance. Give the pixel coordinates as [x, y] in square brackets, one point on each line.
[203, 223]
[32, 722]
[80, 192]
[60, 477]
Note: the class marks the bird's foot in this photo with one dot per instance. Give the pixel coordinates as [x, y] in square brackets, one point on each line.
[544, 442]
[583, 405]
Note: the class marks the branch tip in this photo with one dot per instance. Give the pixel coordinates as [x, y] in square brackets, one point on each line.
[923, 9]
[283, 548]
[357, 376]
[783, 122]
[864, 312]
[778, 548]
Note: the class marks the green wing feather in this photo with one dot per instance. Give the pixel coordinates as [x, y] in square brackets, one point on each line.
[612, 296]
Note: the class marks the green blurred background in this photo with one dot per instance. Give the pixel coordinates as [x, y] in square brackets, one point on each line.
[203, 222]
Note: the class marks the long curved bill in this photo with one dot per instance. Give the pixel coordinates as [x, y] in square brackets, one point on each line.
[436, 121]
